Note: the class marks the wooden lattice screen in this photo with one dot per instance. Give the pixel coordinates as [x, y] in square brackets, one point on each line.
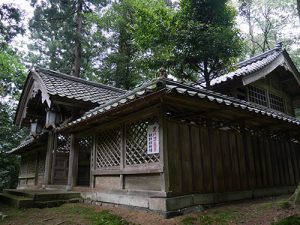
[108, 148]
[136, 143]
[63, 143]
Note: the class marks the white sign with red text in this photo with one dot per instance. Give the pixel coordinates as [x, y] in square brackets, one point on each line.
[153, 139]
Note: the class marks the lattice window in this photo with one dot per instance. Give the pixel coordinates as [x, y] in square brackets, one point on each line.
[63, 143]
[276, 102]
[108, 148]
[257, 95]
[136, 144]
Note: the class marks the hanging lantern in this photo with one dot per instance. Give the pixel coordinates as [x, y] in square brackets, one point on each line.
[52, 118]
[35, 128]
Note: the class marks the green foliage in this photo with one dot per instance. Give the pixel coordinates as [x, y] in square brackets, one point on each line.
[12, 76]
[206, 39]
[12, 72]
[137, 41]
[52, 31]
[10, 23]
[10, 136]
[291, 220]
[268, 22]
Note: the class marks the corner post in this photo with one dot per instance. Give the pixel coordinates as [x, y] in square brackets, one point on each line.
[73, 163]
[48, 161]
[163, 137]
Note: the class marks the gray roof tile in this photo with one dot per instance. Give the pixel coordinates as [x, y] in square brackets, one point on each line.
[249, 66]
[173, 86]
[75, 88]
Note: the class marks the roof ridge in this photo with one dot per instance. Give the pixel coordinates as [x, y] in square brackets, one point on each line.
[257, 57]
[77, 79]
[131, 92]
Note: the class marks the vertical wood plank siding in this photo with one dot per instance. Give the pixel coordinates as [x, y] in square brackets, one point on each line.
[206, 160]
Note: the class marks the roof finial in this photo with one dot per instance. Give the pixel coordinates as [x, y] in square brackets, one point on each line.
[279, 45]
[162, 73]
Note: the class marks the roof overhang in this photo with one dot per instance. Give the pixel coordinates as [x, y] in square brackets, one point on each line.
[282, 60]
[169, 92]
[33, 85]
[31, 144]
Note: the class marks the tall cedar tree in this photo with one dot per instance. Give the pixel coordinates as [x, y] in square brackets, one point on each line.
[139, 43]
[206, 39]
[63, 37]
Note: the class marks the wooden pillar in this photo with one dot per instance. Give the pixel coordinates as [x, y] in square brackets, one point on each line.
[48, 160]
[73, 163]
[122, 156]
[163, 150]
[93, 162]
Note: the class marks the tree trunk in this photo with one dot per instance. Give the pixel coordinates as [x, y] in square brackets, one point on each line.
[298, 8]
[77, 48]
[206, 74]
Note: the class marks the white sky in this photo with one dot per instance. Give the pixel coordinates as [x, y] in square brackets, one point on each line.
[21, 41]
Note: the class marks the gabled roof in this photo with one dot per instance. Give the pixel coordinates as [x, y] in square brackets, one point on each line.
[52, 83]
[259, 66]
[168, 86]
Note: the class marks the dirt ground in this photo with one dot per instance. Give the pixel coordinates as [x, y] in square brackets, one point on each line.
[261, 211]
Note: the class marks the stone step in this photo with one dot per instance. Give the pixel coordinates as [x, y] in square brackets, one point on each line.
[48, 196]
[19, 193]
[38, 198]
[16, 201]
[55, 203]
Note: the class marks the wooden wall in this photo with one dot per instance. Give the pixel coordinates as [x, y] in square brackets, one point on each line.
[207, 160]
[32, 168]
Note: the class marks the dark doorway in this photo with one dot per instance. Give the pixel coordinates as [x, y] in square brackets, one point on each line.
[61, 168]
[84, 159]
[61, 160]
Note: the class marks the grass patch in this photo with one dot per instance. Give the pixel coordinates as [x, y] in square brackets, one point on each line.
[284, 205]
[107, 218]
[67, 213]
[189, 220]
[216, 218]
[291, 220]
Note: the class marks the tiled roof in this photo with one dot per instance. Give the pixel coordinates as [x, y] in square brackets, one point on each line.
[249, 66]
[29, 142]
[75, 88]
[168, 86]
